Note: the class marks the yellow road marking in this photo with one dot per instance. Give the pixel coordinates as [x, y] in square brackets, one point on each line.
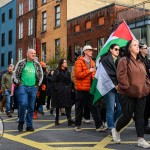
[81, 148]
[33, 120]
[28, 142]
[70, 129]
[5, 120]
[127, 142]
[70, 143]
[103, 143]
[39, 129]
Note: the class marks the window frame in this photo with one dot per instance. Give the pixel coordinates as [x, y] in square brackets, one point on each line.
[9, 55]
[86, 24]
[3, 39]
[30, 26]
[21, 9]
[3, 17]
[44, 21]
[10, 38]
[77, 28]
[57, 47]
[20, 30]
[44, 52]
[44, 1]
[57, 16]
[2, 59]
[30, 5]
[20, 54]
[10, 13]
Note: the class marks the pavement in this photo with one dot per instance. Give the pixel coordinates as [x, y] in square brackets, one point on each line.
[47, 136]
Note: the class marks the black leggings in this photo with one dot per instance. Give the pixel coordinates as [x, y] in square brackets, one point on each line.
[68, 113]
[129, 106]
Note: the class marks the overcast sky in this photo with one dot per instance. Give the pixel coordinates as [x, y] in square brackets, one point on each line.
[3, 2]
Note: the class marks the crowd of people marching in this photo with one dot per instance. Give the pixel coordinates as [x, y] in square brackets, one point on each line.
[29, 85]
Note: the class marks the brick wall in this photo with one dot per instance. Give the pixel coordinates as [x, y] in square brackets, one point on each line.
[95, 32]
[26, 41]
[51, 33]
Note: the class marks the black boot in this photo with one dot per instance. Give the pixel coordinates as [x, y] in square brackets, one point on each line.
[20, 126]
[70, 122]
[57, 122]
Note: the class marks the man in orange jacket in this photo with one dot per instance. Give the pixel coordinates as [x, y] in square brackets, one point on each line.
[84, 71]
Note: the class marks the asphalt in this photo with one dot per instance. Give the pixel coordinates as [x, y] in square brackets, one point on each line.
[47, 136]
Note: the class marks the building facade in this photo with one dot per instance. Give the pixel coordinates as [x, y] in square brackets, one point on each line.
[7, 35]
[95, 27]
[26, 27]
[92, 29]
[51, 28]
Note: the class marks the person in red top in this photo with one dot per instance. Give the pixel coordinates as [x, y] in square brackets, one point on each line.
[84, 71]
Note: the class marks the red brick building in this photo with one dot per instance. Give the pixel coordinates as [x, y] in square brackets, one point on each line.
[25, 27]
[91, 29]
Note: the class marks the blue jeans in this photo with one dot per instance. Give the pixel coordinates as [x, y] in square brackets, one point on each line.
[40, 108]
[9, 100]
[27, 96]
[113, 108]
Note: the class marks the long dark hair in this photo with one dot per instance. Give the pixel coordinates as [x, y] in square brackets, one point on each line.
[61, 61]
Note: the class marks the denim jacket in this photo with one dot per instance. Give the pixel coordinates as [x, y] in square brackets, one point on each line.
[18, 71]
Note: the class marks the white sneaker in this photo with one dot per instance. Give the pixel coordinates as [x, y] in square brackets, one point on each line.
[115, 135]
[78, 129]
[87, 121]
[100, 129]
[143, 143]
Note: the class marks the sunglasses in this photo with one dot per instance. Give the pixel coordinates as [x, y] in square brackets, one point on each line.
[144, 48]
[116, 49]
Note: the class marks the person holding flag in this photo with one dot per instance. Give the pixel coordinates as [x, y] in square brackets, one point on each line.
[110, 62]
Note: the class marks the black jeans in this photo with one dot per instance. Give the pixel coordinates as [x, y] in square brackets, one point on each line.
[147, 110]
[129, 106]
[68, 113]
[84, 97]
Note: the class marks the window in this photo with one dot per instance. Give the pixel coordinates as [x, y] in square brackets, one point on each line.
[101, 21]
[44, 52]
[10, 37]
[3, 39]
[20, 54]
[3, 17]
[88, 42]
[43, 1]
[10, 13]
[88, 25]
[2, 60]
[140, 34]
[57, 47]
[9, 57]
[20, 9]
[100, 44]
[44, 21]
[30, 5]
[78, 50]
[30, 26]
[20, 30]
[57, 16]
[77, 28]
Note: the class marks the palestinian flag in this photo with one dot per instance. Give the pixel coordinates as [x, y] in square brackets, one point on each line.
[102, 83]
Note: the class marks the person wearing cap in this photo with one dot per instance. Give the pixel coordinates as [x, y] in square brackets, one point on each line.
[28, 76]
[6, 87]
[84, 71]
[41, 94]
[144, 58]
